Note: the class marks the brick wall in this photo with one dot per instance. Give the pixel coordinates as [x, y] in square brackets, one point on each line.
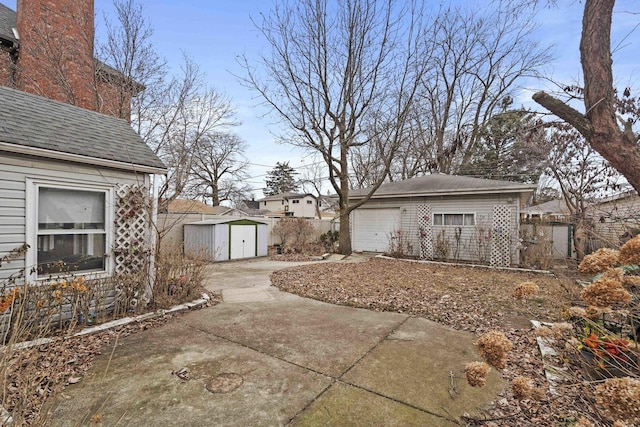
[56, 57]
[56, 50]
[5, 60]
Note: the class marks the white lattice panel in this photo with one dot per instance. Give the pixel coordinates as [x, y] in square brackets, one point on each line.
[425, 228]
[501, 227]
[132, 229]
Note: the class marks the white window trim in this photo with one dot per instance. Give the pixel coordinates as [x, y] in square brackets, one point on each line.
[433, 220]
[31, 222]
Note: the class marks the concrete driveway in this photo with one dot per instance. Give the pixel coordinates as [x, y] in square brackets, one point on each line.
[268, 358]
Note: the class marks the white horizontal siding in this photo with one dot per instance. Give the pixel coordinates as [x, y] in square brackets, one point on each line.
[14, 171]
[470, 247]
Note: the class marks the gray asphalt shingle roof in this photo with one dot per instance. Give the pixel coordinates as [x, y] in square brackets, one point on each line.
[288, 195]
[7, 22]
[31, 121]
[438, 184]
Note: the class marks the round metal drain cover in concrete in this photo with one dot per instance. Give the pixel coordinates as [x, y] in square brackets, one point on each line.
[224, 383]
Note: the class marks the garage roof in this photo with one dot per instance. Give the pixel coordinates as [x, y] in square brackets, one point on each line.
[443, 184]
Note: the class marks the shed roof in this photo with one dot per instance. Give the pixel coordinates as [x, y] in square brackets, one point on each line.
[190, 206]
[226, 221]
[30, 124]
[442, 184]
[556, 207]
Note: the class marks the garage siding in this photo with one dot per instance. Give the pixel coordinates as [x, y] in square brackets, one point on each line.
[469, 246]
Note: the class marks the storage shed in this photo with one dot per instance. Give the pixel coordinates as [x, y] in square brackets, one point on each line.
[225, 239]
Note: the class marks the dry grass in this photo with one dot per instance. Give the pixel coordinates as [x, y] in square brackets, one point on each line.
[474, 299]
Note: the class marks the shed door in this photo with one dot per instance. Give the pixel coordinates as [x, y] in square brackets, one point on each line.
[243, 241]
[372, 228]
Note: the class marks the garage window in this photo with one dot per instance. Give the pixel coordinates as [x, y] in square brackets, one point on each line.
[457, 219]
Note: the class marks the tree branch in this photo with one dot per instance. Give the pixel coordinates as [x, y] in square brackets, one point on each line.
[565, 112]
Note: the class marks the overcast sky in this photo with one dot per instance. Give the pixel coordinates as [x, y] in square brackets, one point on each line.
[214, 33]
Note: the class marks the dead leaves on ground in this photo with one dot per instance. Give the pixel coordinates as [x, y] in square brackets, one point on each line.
[466, 298]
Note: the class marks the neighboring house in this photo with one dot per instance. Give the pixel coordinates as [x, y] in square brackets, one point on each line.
[551, 211]
[615, 219]
[303, 205]
[47, 48]
[185, 206]
[73, 185]
[442, 217]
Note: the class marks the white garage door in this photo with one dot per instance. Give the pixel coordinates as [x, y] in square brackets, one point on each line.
[371, 228]
[243, 241]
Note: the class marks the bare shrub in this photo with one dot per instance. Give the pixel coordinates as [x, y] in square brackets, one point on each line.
[296, 234]
[178, 277]
[537, 251]
[400, 245]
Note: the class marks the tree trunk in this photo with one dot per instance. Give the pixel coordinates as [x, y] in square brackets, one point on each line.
[345, 223]
[345, 228]
[599, 125]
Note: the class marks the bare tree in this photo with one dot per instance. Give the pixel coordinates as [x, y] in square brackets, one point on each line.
[339, 73]
[219, 167]
[128, 50]
[582, 175]
[608, 132]
[479, 56]
[173, 113]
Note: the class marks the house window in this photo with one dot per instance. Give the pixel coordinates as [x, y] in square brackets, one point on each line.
[265, 203]
[309, 202]
[288, 214]
[296, 201]
[69, 228]
[459, 219]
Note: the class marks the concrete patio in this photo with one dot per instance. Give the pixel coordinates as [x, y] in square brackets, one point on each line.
[269, 358]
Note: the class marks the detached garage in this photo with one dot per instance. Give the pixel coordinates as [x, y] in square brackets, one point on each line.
[443, 217]
[226, 239]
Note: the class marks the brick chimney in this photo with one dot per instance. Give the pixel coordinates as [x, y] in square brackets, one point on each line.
[56, 50]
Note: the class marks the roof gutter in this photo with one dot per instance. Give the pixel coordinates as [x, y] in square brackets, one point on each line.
[449, 192]
[76, 158]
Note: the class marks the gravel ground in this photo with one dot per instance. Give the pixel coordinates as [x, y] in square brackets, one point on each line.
[466, 298]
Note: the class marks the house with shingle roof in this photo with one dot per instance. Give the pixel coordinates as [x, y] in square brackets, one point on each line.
[301, 205]
[74, 185]
[439, 216]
